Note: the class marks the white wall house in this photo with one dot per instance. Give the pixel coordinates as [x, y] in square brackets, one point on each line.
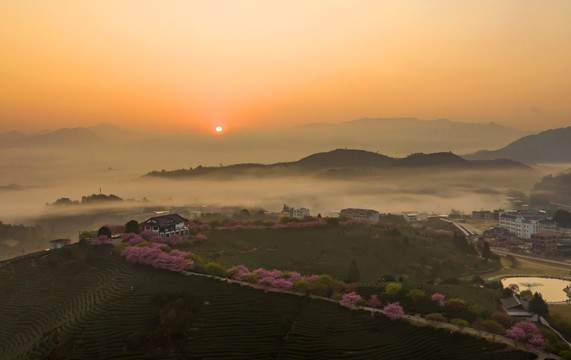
[166, 225]
[300, 213]
[522, 225]
[361, 214]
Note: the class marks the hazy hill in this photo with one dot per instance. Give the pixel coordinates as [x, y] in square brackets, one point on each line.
[61, 138]
[400, 136]
[88, 303]
[345, 159]
[112, 132]
[546, 147]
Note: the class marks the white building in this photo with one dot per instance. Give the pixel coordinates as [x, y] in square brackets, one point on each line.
[300, 213]
[523, 225]
[361, 214]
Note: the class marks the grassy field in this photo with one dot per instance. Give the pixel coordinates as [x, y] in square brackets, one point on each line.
[330, 250]
[88, 303]
[530, 267]
[563, 310]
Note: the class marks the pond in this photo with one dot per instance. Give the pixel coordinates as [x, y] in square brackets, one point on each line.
[551, 289]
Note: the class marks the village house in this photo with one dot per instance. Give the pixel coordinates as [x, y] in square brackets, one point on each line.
[166, 225]
[300, 213]
[516, 307]
[361, 214]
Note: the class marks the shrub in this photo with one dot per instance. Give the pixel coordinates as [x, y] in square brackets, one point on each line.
[318, 288]
[393, 289]
[416, 295]
[251, 278]
[456, 304]
[301, 286]
[215, 269]
[459, 322]
[285, 275]
[565, 354]
[436, 317]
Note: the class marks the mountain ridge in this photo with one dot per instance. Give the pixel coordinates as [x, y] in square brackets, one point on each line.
[553, 145]
[353, 160]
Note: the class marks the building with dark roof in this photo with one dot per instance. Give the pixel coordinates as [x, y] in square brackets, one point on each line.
[166, 225]
[517, 307]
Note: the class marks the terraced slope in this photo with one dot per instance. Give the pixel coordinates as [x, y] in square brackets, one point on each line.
[87, 303]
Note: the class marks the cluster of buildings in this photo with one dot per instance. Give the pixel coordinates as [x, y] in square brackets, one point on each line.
[522, 231]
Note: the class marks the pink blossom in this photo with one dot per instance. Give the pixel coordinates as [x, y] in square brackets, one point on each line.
[154, 256]
[439, 298]
[515, 333]
[537, 342]
[373, 301]
[527, 326]
[238, 272]
[100, 240]
[394, 311]
[349, 300]
[148, 235]
[200, 237]
[311, 279]
[294, 276]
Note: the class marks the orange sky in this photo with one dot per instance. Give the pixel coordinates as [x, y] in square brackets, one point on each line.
[189, 65]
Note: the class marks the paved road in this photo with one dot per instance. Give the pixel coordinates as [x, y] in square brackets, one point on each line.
[506, 252]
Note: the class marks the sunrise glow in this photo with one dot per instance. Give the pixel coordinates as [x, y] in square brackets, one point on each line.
[219, 128]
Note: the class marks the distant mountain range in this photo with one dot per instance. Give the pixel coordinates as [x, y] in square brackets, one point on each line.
[546, 147]
[345, 162]
[397, 137]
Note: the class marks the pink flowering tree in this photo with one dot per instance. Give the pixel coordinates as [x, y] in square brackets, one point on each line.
[132, 239]
[173, 239]
[175, 260]
[148, 235]
[438, 297]
[537, 342]
[515, 333]
[394, 311]
[349, 300]
[237, 272]
[527, 326]
[100, 240]
[374, 301]
[514, 287]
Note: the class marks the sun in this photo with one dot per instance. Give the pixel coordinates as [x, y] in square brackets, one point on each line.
[219, 128]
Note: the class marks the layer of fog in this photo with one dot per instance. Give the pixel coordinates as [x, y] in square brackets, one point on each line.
[434, 192]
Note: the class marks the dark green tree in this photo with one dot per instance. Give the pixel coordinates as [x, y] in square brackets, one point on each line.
[104, 230]
[486, 253]
[132, 227]
[538, 306]
[353, 275]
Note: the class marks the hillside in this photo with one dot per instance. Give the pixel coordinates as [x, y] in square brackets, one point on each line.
[349, 160]
[87, 303]
[546, 147]
[329, 250]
